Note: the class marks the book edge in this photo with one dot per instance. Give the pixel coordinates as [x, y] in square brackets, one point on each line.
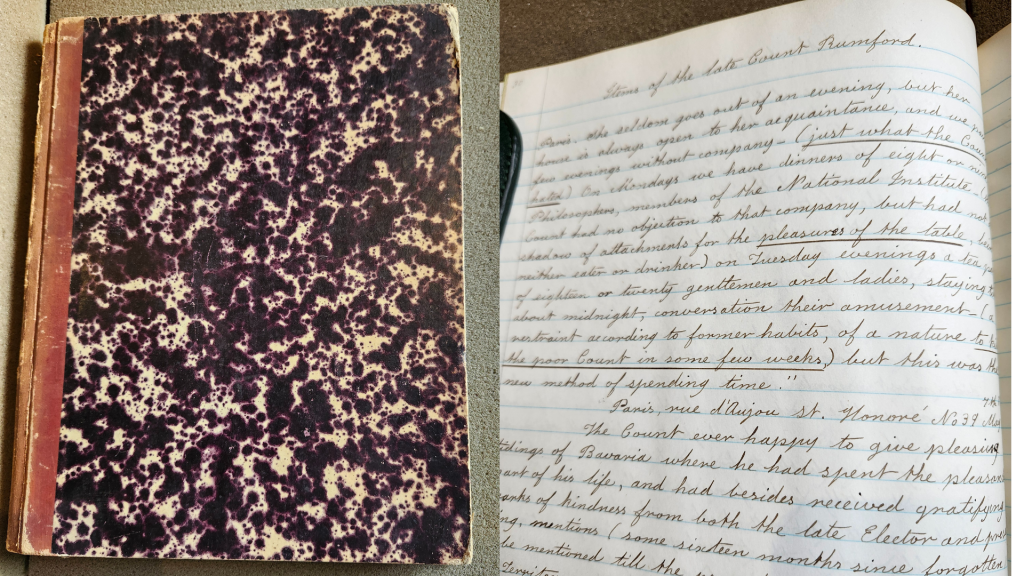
[44, 340]
[44, 119]
[451, 14]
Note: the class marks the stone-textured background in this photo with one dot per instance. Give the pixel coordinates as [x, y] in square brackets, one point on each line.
[543, 32]
[22, 24]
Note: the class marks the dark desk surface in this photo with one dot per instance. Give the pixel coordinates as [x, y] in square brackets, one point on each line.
[543, 32]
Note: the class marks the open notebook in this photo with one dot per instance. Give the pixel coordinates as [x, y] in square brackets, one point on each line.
[755, 300]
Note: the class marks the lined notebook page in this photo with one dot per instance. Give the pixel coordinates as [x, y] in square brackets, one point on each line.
[994, 66]
[748, 323]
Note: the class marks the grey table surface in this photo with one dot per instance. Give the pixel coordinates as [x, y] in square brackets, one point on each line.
[20, 47]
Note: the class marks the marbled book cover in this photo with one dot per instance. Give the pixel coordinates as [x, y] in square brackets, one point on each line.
[264, 353]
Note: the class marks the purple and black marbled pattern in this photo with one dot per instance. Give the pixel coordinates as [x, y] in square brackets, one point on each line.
[265, 343]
